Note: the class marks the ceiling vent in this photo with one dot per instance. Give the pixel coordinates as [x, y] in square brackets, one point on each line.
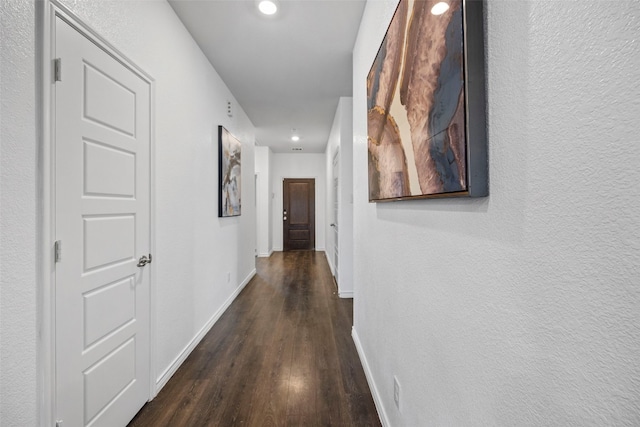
[296, 149]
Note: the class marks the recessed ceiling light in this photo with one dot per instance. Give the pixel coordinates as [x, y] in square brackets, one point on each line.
[440, 8]
[295, 138]
[268, 7]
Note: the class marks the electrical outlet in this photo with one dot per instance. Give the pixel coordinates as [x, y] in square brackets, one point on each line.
[396, 392]
[228, 277]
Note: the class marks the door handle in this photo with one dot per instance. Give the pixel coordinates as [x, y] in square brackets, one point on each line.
[144, 260]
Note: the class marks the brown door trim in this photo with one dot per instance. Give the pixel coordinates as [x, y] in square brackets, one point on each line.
[299, 214]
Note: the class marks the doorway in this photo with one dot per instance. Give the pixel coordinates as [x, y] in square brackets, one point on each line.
[299, 214]
[102, 149]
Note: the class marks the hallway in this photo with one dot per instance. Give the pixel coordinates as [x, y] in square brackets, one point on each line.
[282, 354]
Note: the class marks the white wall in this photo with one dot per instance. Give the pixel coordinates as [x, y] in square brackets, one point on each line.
[272, 195]
[341, 140]
[298, 166]
[521, 308]
[194, 248]
[333, 145]
[18, 221]
[263, 210]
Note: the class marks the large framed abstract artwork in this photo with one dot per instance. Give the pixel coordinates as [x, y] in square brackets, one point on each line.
[426, 104]
[229, 173]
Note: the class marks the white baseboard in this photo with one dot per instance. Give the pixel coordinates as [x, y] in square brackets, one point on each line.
[331, 267]
[372, 385]
[177, 362]
[345, 294]
[265, 254]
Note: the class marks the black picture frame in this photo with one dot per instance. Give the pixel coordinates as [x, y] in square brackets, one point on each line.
[229, 174]
[426, 105]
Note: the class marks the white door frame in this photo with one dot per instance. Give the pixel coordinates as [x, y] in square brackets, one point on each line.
[280, 191]
[336, 211]
[46, 13]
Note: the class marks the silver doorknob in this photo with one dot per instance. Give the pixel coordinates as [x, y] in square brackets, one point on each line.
[144, 260]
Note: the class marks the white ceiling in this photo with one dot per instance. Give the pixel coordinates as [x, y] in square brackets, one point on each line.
[287, 71]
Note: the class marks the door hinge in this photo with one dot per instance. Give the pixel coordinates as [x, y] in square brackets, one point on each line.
[58, 251]
[57, 70]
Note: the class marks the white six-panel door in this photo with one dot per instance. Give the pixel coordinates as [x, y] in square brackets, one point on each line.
[102, 143]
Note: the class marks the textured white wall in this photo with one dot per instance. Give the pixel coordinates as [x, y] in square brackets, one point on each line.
[341, 137]
[194, 248]
[298, 166]
[263, 210]
[521, 308]
[18, 224]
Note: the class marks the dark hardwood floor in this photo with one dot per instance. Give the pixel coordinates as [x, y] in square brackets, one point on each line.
[281, 355]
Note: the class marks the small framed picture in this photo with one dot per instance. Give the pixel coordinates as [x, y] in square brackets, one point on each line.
[230, 174]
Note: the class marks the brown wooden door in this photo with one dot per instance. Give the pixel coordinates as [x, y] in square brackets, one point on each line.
[299, 214]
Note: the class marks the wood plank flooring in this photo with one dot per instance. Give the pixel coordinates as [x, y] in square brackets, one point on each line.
[281, 355]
